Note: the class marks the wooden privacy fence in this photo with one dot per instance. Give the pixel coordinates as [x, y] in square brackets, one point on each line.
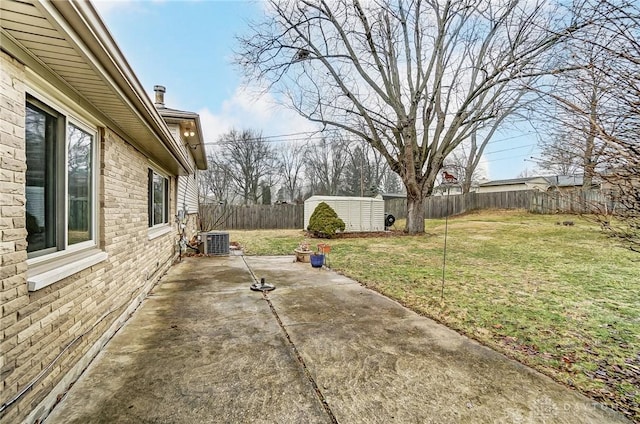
[575, 201]
[257, 217]
[251, 217]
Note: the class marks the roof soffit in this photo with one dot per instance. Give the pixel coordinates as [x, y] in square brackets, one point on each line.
[195, 143]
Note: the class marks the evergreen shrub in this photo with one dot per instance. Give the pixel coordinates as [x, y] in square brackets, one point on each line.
[324, 221]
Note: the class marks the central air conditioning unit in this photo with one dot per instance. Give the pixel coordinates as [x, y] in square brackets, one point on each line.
[215, 243]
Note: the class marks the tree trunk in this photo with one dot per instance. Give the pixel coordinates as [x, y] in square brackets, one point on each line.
[589, 172]
[467, 181]
[415, 214]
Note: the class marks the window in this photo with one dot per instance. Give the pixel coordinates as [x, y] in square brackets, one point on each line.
[80, 191]
[158, 199]
[41, 133]
[59, 181]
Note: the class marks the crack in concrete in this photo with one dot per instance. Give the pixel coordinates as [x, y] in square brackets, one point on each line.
[293, 347]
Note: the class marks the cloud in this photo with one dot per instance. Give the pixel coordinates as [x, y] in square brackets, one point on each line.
[246, 109]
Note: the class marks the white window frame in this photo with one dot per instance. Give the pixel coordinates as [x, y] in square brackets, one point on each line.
[94, 186]
[157, 230]
[46, 268]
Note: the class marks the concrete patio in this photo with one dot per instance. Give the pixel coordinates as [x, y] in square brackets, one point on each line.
[321, 348]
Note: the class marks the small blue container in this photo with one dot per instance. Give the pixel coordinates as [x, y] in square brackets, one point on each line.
[317, 260]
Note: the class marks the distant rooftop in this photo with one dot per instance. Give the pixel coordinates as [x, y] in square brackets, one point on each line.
[512, 181]
[553, 180]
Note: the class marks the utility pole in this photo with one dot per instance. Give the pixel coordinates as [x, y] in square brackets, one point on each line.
[362, 170]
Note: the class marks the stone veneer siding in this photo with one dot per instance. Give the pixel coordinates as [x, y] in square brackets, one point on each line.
[192, 225]
[57, 330]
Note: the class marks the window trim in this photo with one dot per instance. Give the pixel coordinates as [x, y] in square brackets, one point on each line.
[62, 183]
[58, 172]
[93, 242]
[159, 230]
[45, 274]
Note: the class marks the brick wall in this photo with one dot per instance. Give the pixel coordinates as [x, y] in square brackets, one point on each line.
[74, 317]
[13, 285]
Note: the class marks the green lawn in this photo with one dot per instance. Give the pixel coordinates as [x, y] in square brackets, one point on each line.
[562, 299]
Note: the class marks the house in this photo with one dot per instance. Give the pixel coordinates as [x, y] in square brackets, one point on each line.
[92, 176]
[446, 190]
[515, 184]
[540, 183]
[569, 182]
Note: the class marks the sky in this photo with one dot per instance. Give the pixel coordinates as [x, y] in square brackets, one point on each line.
[187, 46]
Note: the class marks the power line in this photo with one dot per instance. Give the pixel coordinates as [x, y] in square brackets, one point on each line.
[287, 135]
[509, 158]
[271, 139]
[511, 148]
[512, 137]
[281, 138]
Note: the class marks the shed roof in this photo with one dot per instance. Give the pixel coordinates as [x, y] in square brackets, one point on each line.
[321, 198]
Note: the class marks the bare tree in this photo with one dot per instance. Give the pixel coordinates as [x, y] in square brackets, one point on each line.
[412, 78]
[573, 145]
[526, 173]
[215, 183]
[291, 165]
[613, 125]
[623, 141]
[215, 188]
[559, 152]
[324, 165]
[249, 160]
[464, 161]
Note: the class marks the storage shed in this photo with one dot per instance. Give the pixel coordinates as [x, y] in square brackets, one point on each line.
[358, 213]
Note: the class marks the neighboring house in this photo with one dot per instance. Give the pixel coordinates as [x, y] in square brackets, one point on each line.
[447, 190]
[542, 183]
[527, 183]
[569, 182]
[90, 184]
